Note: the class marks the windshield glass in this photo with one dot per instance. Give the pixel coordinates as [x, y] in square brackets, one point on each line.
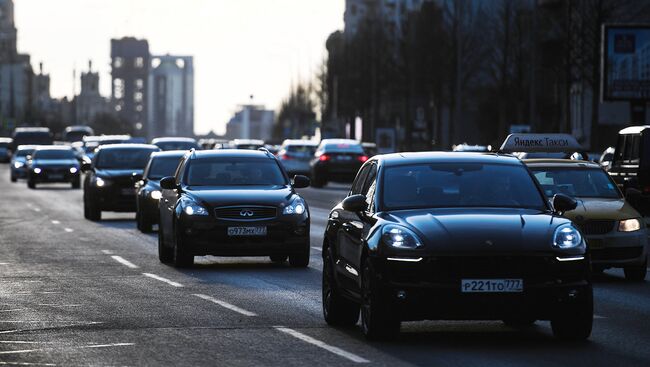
[177, 145]
[343, 148]
[123, 158]
[301, 150]
[576, 182]
[24, 152]
[452, 185]
[54, 154]
[162, 167]
[235, 172]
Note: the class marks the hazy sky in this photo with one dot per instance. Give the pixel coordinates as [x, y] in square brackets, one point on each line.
[240, 47]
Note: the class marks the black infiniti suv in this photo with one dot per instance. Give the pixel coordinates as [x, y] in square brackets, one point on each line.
[110, 179]
[232, 203]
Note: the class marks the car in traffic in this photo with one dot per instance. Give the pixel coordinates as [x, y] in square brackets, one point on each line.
[76, 133]
[161, 164]
[233, 203]
[109, 183]
[31, 136]
[53, 164]
[295, 156]
[19, 160]
[249, 144]
[471, 148]
[174, 143]
[336, 160]
[454, 236]
[5, 149]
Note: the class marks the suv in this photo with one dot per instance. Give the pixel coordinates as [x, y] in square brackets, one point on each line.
[232, 203]
[110, 178]
[53, 164]
[336, 160]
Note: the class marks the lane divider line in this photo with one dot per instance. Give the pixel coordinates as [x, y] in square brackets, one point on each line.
[108, 345]
[69, 230]
[330, 348]
[164, 280]
[107, 252]
[124, 262]
[226, 305]
[56, 222]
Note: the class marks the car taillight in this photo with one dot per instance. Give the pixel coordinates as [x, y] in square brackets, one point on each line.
[286, 157]
[324, 158]
[362, 158]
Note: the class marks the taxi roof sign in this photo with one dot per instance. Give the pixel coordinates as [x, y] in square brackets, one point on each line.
[536, 143]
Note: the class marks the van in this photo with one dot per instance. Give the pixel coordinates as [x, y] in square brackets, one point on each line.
[630, 167]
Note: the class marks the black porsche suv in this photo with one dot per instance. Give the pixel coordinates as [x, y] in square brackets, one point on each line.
[232, 203]
[454, 236]
[110, 179]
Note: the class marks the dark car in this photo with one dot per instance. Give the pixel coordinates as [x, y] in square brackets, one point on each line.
[31, 136]
[454, 236]
[110, 179]
[77, 133]
[160, 165]
[336, 160]
[53, 163]
[232, 203]
[5, 149]
[166, 144]
[19, 162]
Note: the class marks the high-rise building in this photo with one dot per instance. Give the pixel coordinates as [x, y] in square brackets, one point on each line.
[130, 61]
[89, 103]
[260, 123]
[391, 12]
[171, 96]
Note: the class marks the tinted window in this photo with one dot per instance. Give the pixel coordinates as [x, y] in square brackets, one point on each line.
[343, 148]
[576, 182]
[4, 145]
[460, 185]
[163, 167]
[357, 185]
[54, 154]
[177, 145]
[302, 150]
[24, 152]
[76, 135]
[234, 172]
[248, 146]
[123, 158]
[33, 138]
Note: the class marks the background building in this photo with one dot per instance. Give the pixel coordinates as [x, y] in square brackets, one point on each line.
[130, 61]
[260, 122]
[171, 96]
[89, 103]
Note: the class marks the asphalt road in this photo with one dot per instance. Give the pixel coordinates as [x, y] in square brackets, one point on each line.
[77, 293]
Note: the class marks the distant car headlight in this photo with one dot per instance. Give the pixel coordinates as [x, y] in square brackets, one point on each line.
[37, 170]
[74, 169]
[567, 236]
[194, 209]
[18, 164]
[156, 195]
[400, 237]
[629, 225]
[297, 206]
[99, 182]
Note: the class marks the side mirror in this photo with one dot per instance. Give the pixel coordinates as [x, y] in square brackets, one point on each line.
[300, 181]
[168, 183]
[355, 203]
[28, 157]
[86, 166]
[563, 203]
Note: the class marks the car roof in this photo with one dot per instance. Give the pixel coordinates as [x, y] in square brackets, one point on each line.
[560, 163]
[52, 147]
[247, 141]
[300, 142]
[172, 139]
[231, 153]
[26, 147]
[32, 129]
[396, 159]
[169, 153]
[6, 140]
[634, 129]
[128, 146]
[340, 141]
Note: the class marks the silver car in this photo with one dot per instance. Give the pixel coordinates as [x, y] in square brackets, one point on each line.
[295, 156]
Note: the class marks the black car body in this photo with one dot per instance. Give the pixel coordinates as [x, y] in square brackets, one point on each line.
[110, 179]
[161, 164]
[5, 149]
[630, 166]
[77, 133]
[336, 160]
[232, 203]
[51, 164]
[453, 236]
[166, 144]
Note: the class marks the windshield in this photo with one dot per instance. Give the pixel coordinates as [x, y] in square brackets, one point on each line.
[235, 172]
[24, 152]
[177, 145]
[343, 148]
[576, 182]
[452, 185]
[249, 146]
[301, 150]
[54, 154]
[162, 167]
[123, 158]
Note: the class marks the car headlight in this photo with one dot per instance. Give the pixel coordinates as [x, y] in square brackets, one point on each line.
[156, 195]
[99, 182]
[37, 170]
[297, 206]
[567, 236]
[629, 225]
[18, 164]
[400, 237]
[73, 169]
[194, 209]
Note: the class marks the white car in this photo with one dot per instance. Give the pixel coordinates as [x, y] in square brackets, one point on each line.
[295, 156]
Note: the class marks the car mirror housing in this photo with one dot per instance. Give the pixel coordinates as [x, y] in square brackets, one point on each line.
[563, 203]
[300, 181]
[168, 183]
[85, 167]
[355, 203]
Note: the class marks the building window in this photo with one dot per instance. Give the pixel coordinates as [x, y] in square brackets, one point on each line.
[139, 84]
[118, 62]
[137, 96]
[118, 88]
[139, 62]
[180, 63]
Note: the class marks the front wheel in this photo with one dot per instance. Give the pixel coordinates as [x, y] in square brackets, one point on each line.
[31, 184]
[165, 254]
[76, 183]
[378, 316]
[143, 223]
[636, 273]
[13, 178]
[337, 310]
[91, 211]
[181, 257]
[575, 321]
[300, 259]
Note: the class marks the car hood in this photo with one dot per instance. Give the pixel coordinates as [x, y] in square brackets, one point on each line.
[243, 195]
[449, 231]
[602, 209]
[118, 173]
[55, 162]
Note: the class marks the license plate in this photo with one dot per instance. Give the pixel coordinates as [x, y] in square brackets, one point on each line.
[128, 192]
[492, 286]
[246, 231]
[56, 176]
[344, 158]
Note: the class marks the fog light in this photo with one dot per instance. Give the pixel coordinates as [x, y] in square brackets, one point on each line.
[401, 295]
[573, 294]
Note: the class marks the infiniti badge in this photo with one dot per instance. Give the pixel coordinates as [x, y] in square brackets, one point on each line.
[246, 213]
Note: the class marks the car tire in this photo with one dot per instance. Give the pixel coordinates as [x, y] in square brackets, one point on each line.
[91, 212]
[13, 178]
[31, 184]
[636, 273]
[180, 257]
[76, 183]
[143, 223]
[337, 310]
[300, 259]
[165, 254]
[574, 322]
[379, 319]
[278, 259]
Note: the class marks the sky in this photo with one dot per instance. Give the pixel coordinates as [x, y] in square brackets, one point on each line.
[240, 47]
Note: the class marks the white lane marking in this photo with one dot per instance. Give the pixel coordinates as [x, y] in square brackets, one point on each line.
[5, 263]
[107, 252]
[56, 305]
[107, 345]
[56, 222]
[165, 280]
[25, 364]
[23, 342]
[317, 248]
[9, 331]
[13, 310]
[330, 348]
[69, 230]
[226, 305]
[124, 262]
[37, 209]
[20, 351]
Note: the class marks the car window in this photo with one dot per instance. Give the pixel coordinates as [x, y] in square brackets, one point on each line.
[459, 185]
[54, 154]
[301, 150]
[343, 148]
[592, 183]
[234, 172]
[24, 152]
[123, 158]
[176, 145]
[357, 185]
[370, 186]
[162, 167]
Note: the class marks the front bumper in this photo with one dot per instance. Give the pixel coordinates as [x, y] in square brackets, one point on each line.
[19, 172]
[54, 176]
[148, 208]
[618, 249]
[114, 198]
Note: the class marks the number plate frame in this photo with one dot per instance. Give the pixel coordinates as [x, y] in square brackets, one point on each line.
[492, 285]
[257, 231]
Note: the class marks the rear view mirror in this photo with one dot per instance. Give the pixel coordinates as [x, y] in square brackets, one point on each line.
[355, 203]
[168, 183]
[300, 181]
[563, 203]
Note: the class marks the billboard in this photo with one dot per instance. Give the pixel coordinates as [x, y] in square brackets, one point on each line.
[626, 62]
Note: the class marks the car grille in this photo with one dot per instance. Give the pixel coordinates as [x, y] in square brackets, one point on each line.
[490, 266]
[594, 227]
[245, 213]
[616, 253]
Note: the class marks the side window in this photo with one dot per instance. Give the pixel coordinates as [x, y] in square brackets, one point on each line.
[634, 149]
[370, 186]
[357, 185]
[179, 170]
[145, 174]
[620, 148]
